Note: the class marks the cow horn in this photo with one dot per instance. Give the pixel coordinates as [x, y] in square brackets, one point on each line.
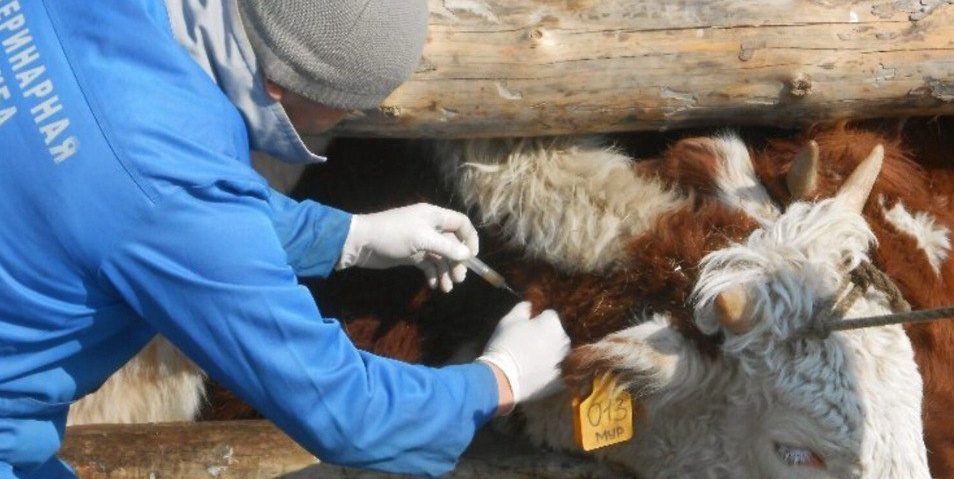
[730, 310]
[854, 193]
[802, 178]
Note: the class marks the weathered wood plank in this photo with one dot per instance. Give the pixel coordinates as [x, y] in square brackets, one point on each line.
[223, 450]
[258, 450]
[504, 68]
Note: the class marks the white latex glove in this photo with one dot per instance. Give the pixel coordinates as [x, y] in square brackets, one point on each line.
[529, 351]
[432, 238]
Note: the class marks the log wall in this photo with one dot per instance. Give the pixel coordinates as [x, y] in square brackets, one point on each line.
[536, 67]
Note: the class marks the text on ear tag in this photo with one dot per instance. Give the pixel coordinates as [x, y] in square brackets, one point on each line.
[605, 417]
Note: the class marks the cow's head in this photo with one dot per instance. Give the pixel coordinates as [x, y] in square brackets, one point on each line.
[777, 399]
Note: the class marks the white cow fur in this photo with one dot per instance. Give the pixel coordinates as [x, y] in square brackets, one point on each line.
[578, 198]
[854, 398]
[932, 238]
[556, 184]
[158, 385]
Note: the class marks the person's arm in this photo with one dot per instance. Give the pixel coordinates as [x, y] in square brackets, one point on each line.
[207, 270]
[318, 238]
[312, 234]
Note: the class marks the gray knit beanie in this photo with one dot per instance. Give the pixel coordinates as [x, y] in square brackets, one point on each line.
[347, 54]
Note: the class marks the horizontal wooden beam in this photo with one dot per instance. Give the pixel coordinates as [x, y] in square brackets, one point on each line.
[258, 450]
[538, 67]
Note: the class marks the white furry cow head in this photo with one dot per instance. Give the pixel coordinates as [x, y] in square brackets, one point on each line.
[767, 398]
[799, 405]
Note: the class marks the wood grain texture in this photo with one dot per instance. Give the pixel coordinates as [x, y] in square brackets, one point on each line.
[256, 449]
[224, 450]
[536, 67]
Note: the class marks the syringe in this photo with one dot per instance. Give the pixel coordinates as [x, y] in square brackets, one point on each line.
[489, 275]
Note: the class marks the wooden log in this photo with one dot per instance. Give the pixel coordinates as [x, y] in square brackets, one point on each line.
[258, 450]
[226, 449]
[537, 67]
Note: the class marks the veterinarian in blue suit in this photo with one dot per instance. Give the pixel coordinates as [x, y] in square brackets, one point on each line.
[128, 207]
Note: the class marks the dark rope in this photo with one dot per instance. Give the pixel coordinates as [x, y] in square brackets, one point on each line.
[865, 275]
[920, 316]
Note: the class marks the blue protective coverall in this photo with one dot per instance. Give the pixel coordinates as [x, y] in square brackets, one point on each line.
[128, 207]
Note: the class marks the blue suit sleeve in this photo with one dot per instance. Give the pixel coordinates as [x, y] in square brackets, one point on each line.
[207, 270]
[311, 234]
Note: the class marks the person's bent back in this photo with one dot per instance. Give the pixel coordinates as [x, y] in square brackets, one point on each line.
[130, 209]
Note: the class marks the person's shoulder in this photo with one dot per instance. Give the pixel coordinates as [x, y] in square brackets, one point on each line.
[154, 105]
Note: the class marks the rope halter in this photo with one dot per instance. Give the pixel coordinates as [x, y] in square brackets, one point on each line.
[831, 315]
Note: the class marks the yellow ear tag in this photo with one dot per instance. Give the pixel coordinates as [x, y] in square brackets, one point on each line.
[605, 417]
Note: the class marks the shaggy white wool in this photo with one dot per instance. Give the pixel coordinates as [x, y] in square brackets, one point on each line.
[158, 385]
[932, 238]
[569, 201]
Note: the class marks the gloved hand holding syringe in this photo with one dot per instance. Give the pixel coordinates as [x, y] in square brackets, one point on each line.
[422, 235]
[489, 275]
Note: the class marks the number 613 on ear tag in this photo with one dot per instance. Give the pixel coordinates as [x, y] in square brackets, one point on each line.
[605, 417]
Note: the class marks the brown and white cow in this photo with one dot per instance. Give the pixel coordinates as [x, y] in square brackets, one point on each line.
[636, 283]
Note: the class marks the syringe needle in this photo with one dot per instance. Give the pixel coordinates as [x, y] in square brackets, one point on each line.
[508, 288]
[489, 275]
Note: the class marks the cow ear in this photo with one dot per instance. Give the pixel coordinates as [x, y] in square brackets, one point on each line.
[856, 189]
